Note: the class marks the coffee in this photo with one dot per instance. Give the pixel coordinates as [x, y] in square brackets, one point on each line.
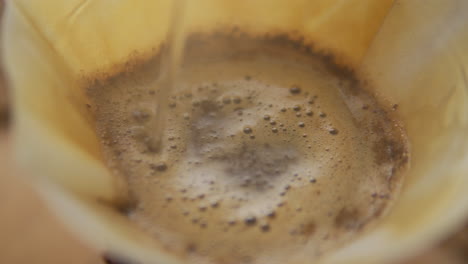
[271, 152]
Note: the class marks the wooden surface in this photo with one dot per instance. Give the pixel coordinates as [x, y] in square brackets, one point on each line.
[29, 233]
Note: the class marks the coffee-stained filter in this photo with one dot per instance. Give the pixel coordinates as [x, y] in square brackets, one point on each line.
[412, 54]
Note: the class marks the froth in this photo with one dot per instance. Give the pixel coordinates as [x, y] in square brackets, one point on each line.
[268, 153]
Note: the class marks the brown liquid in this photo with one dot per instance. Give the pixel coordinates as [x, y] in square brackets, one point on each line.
[271, 153]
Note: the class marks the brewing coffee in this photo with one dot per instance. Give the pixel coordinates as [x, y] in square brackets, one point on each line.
[271, 152]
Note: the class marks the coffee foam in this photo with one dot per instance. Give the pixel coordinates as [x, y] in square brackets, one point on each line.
[270, 152]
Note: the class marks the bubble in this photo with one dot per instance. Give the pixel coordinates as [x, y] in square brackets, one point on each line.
[313, 180]
[272, 122]
[250, 221]
[186, 116]
[322, 115]
[298, 114]
[141, 115]
[283, 109]
[301, 124]
[160, 166]
[265, 228]
[271, 214]
[333, 131]
[266, 117]
[384, 196]
[295, 89]
[297, 108]
[274, 130]
[226, 100]
[247, 130]
[308, 229]
[309, 113]
[191, 247]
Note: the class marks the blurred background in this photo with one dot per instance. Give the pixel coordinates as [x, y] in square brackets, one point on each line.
[30, 233]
